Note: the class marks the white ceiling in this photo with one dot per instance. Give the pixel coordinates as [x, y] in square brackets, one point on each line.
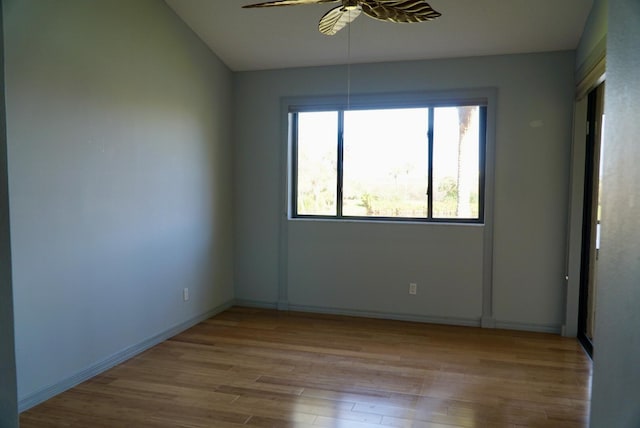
[283, 37]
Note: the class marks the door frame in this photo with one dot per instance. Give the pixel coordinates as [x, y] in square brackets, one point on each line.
[589, 81]
[595, 109]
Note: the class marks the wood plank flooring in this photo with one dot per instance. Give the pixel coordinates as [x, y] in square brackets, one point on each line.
[262, 368]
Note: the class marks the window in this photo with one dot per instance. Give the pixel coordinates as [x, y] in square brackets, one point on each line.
[422, 163]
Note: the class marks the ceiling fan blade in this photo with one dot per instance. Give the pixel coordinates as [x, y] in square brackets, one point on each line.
[399, 11]
[337, 18]
[287, 3]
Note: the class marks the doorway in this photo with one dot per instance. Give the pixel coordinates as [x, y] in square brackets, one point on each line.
[591, 219]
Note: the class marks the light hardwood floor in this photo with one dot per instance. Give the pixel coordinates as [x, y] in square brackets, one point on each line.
[262, 368]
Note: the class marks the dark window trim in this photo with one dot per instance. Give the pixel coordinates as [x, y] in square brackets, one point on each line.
[293, 109]
[482, 159]
[293, 161]
[339, 166]
[430, 165]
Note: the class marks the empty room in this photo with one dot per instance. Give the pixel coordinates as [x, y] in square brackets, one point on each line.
[307, 213]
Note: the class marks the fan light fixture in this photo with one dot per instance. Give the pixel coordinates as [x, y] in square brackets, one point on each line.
[384, 10]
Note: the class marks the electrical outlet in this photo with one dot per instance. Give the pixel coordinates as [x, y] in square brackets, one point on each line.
[413, 288]
[185, 294]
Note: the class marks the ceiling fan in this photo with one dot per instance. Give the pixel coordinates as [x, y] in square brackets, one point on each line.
[384, 10]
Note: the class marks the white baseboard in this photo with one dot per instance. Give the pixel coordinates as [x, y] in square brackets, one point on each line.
[538, 328]
[484, 322]
[283, 305]
[468, 322]
[46, 393]
[488, 322]
[256, 304]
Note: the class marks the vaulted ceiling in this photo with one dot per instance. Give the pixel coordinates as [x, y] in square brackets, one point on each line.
[283, 37]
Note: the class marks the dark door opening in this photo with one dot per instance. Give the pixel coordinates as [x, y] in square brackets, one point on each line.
[591, 219]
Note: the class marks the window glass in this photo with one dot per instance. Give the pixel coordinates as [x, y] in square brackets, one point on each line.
[317, 163]
[456, 149]
[385, 163]
[374, 163]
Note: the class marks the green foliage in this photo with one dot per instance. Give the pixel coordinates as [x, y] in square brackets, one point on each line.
[392, 188]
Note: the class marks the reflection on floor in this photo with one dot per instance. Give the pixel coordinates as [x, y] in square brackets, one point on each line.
[264, 368]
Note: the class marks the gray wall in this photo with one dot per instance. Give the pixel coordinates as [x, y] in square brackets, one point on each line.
[590, 61]
[367, 267]
[8, 388]
[119, 153]
[616, 372]
[593, 41]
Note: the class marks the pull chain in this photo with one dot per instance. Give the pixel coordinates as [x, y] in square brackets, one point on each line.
[349, 63]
